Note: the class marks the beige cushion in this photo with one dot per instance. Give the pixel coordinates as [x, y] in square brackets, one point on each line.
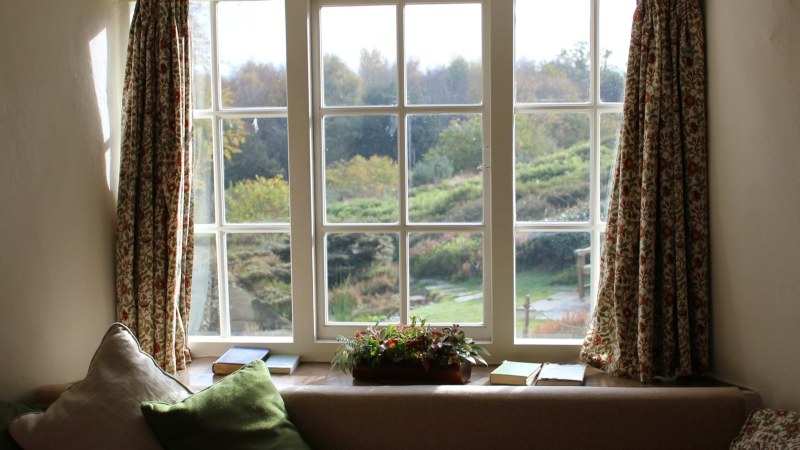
[102, 411]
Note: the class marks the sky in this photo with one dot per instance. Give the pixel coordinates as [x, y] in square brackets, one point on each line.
[543, 28]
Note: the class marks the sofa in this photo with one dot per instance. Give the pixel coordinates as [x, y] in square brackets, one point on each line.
[126, 401]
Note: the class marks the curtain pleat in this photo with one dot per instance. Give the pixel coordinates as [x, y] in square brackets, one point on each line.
[154, 229]
[652, 313]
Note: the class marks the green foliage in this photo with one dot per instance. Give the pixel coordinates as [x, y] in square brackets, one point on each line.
[432, 169]
[259, 266]
[262, 149]
[447, 256]
[555, 186]
[551, 252]
[398, 343]
[462, 144]
[362, 176]
[342, 86]
[255, 85]
[451, 201]
[258, 200]
[357, 256]
[359, 178]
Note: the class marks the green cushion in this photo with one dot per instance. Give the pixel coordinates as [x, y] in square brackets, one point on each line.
[242, 411]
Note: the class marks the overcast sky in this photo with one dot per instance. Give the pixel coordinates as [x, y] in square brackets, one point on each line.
[435, 34]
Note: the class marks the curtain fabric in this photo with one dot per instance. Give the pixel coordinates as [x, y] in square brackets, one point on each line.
[652, 313]
[154, 229]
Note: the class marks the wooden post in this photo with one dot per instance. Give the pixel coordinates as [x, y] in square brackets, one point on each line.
[527, 315]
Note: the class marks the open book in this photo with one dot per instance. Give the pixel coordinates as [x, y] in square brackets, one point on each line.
[561, 375]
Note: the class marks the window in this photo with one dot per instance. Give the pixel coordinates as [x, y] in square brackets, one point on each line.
[242, 268]
[400, 112]
[569, 65]
[369, 161]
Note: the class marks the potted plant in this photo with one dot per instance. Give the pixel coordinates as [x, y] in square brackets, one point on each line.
[409, 353]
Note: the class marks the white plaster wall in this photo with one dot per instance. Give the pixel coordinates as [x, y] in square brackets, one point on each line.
[56, 208]
[754, 136]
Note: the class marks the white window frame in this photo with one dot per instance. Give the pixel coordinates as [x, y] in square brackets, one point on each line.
[327, 329]
[311, 337]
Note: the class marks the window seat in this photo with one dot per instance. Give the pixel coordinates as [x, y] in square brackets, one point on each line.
[338, 412]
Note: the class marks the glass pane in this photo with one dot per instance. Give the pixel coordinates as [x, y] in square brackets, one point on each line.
[256, 170]
[200, 29]
[204, 313]
[446, 277]
[361, 172]
[551, 44]
[552, 167]
[609, 144]
[445, 160]
[616, 17]
[203, 176]
[363, 283]
[251, 38]
[553, 285]
[443, 54]
[359, 55]
[259, 284]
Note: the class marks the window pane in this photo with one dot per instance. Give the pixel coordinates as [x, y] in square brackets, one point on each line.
[446, 277]
[553, 280]
[609, 144]
[443, 54]
[204, 314]
[200, 29]
[359, 55]
[361, 172]
[259, 284]
[251, 39]
[363, 284]
[445, 157]
[552, 60]
[616, 17]
[256, 170]
[203, 176]
[552, 166]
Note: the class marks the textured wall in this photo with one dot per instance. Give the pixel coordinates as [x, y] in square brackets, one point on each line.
[754, 120]
[56, 230]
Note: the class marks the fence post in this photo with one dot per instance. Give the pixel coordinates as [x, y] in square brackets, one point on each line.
[527, 315]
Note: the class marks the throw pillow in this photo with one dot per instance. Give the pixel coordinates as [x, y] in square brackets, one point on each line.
[242, 411]
[769, 428]
[102, 411]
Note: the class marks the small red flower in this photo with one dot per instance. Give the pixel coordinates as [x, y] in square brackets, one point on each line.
[793, 429]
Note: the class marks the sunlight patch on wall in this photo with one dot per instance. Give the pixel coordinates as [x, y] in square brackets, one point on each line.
[98, 48]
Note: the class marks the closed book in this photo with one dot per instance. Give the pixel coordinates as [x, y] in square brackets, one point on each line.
[516, 373]
[237, 357]
[282, 363]
[561, 375]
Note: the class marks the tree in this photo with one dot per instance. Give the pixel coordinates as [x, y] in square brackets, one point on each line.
[462, 144]
[341, 86]
[256, 85]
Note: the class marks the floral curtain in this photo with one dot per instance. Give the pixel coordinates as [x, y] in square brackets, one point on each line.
[652, 313]
[154, 244]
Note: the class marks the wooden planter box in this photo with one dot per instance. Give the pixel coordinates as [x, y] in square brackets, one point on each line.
[414, 372]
